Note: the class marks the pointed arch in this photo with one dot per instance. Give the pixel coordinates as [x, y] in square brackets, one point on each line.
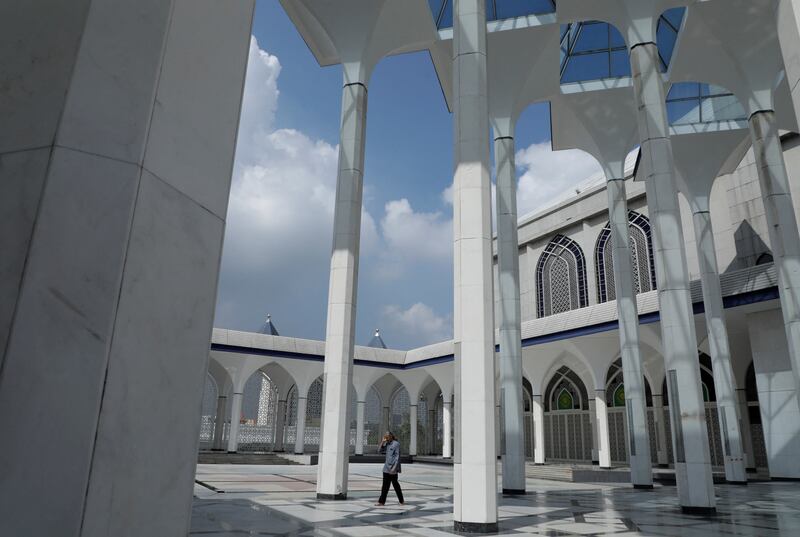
[561, 277]
[566, 387]
[615, 387]
[641, 246]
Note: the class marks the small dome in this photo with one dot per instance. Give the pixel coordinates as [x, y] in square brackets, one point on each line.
[268, 328]
[377, 341]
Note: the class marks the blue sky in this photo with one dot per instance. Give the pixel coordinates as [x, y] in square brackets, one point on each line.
[280, 217]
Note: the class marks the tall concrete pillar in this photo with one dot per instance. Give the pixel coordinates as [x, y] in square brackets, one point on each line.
[603, 438]
[662, 455]
[538, 429]
[300, 426]
[219, 423]
[690, 435]
[412, 423]
[236, 416]
[360, 407]
[385, 420]
[447, 429]
[340, 332]
[475, 482]
[746, 429]
[115, 167]
[788, 19]
[593, 423]
[510, 318]
[280, 426]
[782, 224]
[777, 396]
[724, 382]
[638, 441]
[431, 432]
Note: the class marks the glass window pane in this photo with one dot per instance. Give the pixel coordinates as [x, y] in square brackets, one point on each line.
[675, 16]
[620, 63]
[436, 8]
[592, 36]
[683, 112]
[666, 42]
[447, 16]
[616, 38]
[722, 108]
[586, 67]
[710, 89]
[507, 9]
[683, 90]
[490, 14]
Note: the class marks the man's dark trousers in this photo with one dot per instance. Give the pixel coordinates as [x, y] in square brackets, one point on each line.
[390, 478]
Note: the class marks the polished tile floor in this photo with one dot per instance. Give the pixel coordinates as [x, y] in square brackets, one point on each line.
[280, 500]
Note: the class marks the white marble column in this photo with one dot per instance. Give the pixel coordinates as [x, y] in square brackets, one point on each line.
[782, 224]
[360, 407]
[638, 442]
[236, 416]
[661, 430]
[593, 423]
[447, 429]
[788, 19]
[475, 484]
[510, 318]
[431, 432]
[412, 423]
[724, 382]
[603, 439]
[300, 426]
[219, 422]
[116, 159]
[280, 425]
[538, 429]
[340, 333]
[385, 420]
[747, 432]
[777, 396]
[690, 434]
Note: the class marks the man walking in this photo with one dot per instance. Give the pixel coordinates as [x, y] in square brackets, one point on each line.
[391, 468]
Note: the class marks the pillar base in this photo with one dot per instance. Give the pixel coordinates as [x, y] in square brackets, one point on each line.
[340, 496]
[642, 487]
[475, 527]
[693, 510]
[514, 492]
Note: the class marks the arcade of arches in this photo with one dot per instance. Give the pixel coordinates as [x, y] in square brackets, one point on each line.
[268, 423]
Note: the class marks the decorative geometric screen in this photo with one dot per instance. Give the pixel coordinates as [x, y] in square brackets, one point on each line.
[209, 415]
[641, 248]
[561, 277]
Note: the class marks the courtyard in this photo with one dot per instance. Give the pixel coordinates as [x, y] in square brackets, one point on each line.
[281, 500]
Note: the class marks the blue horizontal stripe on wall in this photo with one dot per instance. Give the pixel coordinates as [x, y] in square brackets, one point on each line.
[743, 299]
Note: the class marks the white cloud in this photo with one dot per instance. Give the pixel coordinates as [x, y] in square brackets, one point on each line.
[549, 175]
[280, 216]
[419, 322]
[413, 235]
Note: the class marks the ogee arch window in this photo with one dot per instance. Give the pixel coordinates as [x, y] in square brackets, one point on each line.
[641, 245]
[561, 277]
